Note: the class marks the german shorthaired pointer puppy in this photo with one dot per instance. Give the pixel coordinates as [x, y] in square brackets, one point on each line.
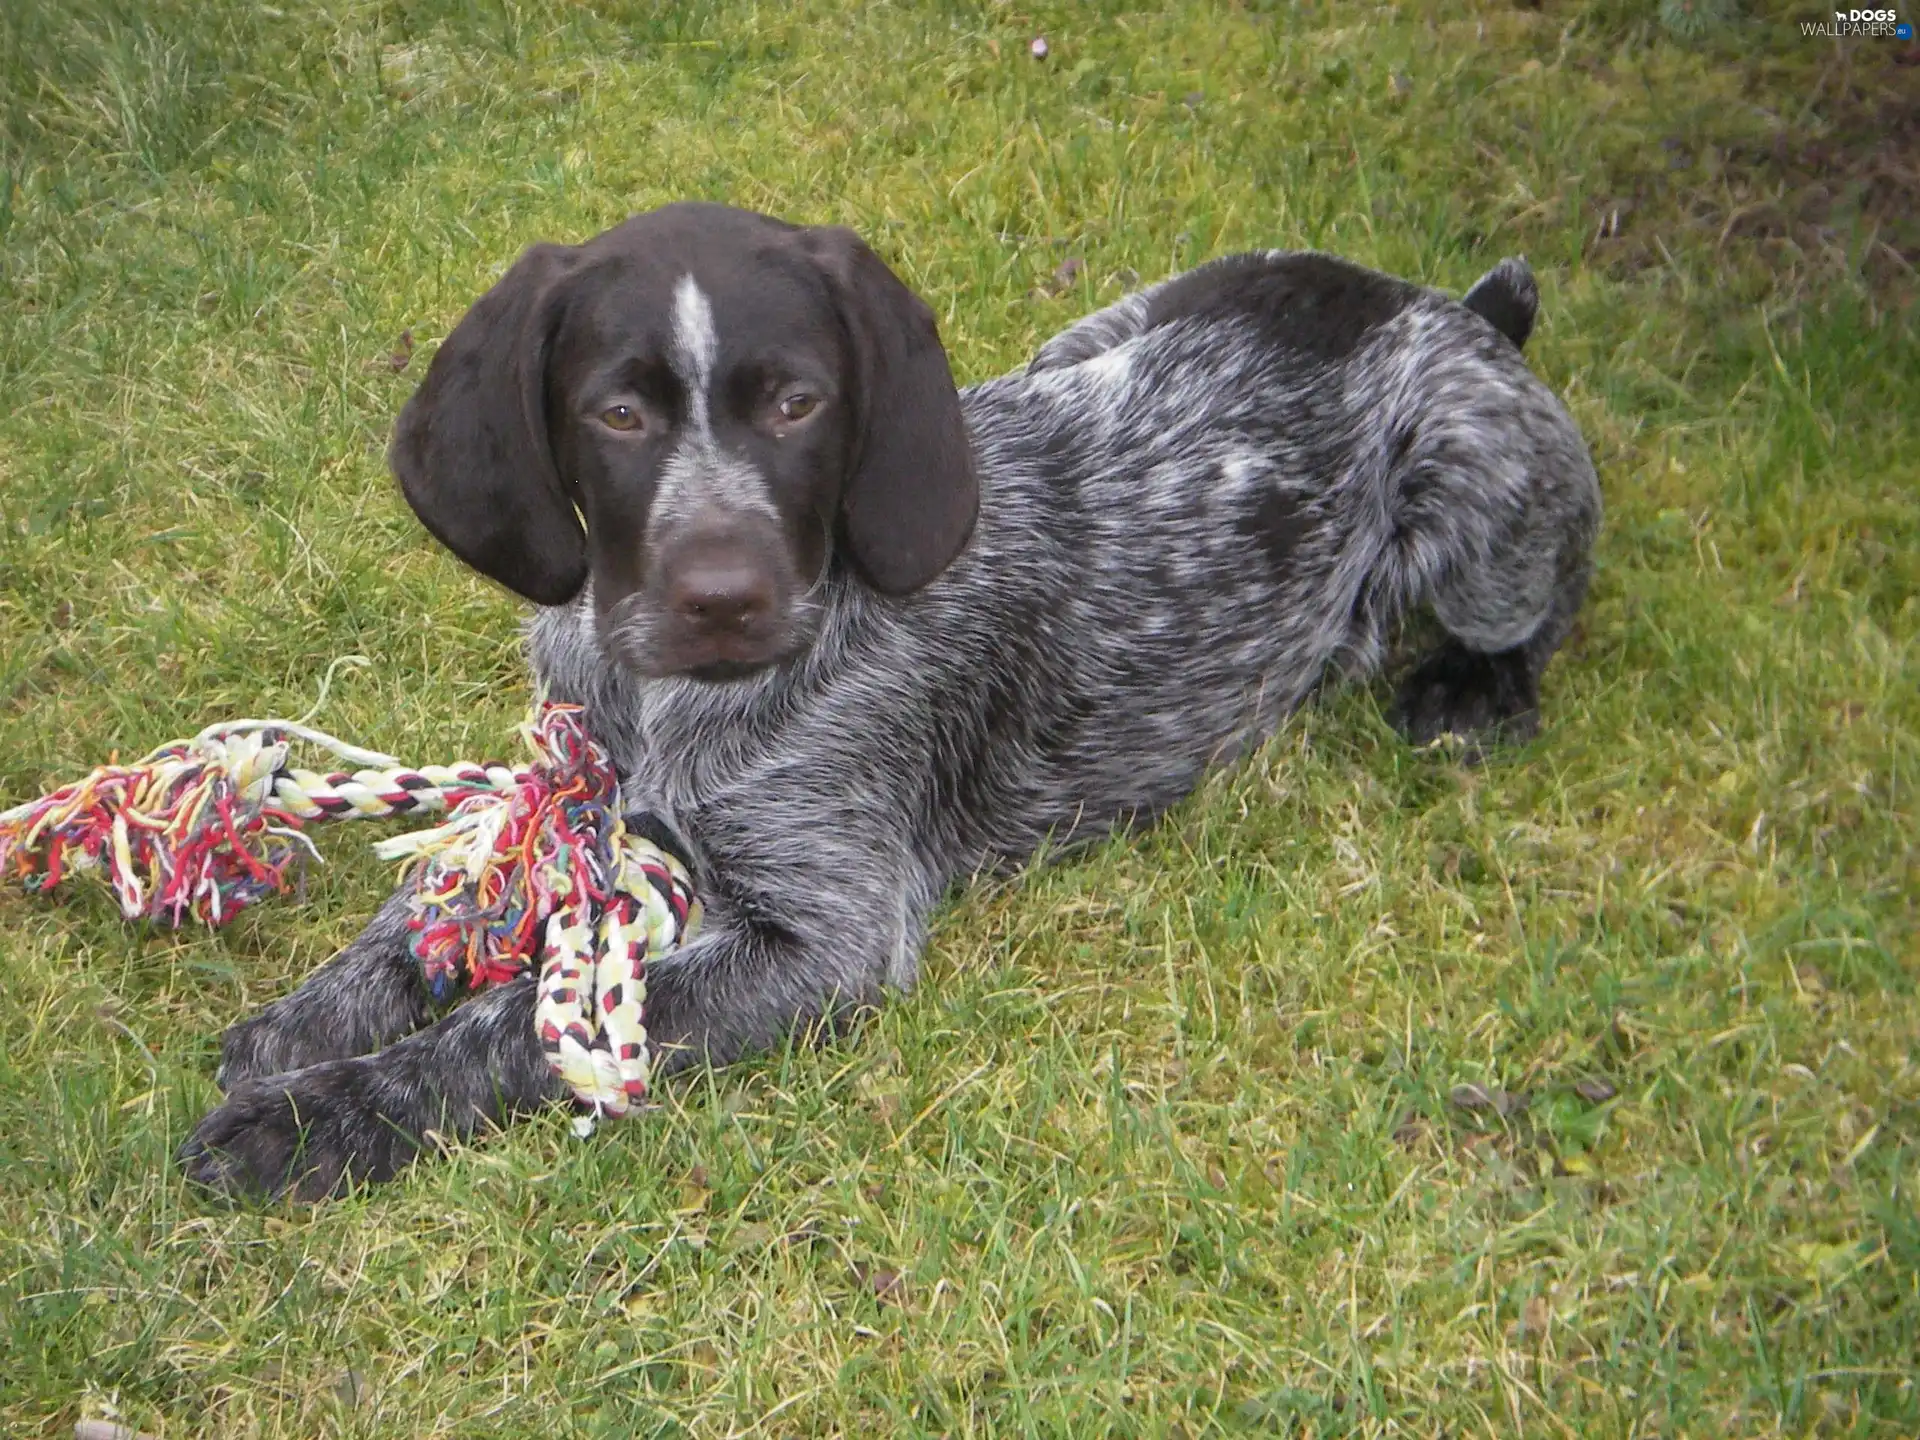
[854, 635]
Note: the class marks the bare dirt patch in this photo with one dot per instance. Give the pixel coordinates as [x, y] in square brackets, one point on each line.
[1834, 187]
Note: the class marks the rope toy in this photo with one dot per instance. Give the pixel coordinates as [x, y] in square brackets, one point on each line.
[533, 864]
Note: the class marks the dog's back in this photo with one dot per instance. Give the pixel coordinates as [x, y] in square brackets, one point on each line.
[1198, 502]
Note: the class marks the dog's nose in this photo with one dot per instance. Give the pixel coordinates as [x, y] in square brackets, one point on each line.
[721, 594]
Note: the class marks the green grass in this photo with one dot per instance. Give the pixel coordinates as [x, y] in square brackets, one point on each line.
[1168, 1143]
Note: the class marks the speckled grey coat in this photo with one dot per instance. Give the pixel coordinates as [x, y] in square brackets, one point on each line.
[1193, 507]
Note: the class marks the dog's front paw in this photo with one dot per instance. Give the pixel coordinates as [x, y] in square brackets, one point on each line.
[306, 1134]
[1479, 697]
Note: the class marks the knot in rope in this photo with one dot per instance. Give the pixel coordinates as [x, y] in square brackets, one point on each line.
[551, 871]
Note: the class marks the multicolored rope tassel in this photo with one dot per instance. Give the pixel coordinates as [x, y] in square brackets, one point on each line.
[533, 865]
[208, 826]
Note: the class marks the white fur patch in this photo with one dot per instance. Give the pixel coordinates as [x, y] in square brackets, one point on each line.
[1240, 466]
[699, 478]
[1109, 367]
[694, 344]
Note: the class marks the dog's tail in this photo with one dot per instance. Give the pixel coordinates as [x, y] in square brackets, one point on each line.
[1507, 299]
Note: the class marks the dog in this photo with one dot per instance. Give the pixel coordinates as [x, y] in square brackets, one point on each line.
[853, 635]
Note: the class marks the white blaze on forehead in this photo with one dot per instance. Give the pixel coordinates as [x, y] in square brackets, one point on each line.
[693, 347]
[698, 478]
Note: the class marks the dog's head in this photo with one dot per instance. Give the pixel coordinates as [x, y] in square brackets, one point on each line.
[726, 401]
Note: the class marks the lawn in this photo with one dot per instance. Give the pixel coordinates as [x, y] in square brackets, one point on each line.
[1370, 1093]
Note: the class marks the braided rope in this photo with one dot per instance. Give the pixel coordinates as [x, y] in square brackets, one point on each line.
[378, 794]
[532, 862]
[552, 869]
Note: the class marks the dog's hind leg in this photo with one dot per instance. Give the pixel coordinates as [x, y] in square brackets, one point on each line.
[1496, 508]
[1480, 682]
[364, 998]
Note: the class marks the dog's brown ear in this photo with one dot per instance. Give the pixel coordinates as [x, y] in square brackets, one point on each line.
[911, 493]
[471, 450]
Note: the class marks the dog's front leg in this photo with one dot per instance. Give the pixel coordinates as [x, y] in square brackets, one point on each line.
[739, 991]
[367, 996]
[799, 934]
[814, 911]
[736, 989]
[312, 1131]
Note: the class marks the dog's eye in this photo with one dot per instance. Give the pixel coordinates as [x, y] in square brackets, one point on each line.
[798, 407]
[620, 417]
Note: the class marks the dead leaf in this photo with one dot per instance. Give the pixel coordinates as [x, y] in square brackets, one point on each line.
[1065, 276]
[1595, 1090]
[396, 360]
[63, 615]
[694, 1190]
[1503, 1103]
[889, 1286]
[1535, 1317]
